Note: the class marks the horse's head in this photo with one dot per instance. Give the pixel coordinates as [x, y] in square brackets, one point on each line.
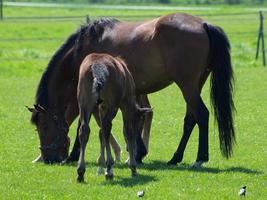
[52, 131]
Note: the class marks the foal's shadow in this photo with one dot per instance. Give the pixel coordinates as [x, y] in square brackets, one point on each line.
[160, 165]
[130, 181]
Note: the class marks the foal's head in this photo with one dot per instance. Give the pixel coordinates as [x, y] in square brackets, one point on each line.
[52, 131]
[139, 118]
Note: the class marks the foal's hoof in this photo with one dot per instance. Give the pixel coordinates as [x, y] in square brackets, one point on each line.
[80, 179]
[109, 177]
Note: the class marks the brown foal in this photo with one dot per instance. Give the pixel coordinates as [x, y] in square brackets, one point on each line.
[106, 85]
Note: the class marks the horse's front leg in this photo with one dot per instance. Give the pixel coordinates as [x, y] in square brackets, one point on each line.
[70, 115]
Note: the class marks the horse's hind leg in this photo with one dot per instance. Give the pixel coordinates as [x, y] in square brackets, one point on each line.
[189, 124]
[201, 115]
[143, 143]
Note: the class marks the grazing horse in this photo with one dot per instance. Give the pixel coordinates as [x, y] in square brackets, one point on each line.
[176, 48]
[106, 85]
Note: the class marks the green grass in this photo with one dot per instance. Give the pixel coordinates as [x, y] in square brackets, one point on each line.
[219, 179]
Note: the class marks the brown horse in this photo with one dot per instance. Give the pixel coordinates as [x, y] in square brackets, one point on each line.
[177, 48]
[106, 85]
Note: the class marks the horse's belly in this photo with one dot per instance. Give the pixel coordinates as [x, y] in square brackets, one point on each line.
[151, 78]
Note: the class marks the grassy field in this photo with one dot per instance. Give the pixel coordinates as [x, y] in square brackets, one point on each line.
[23, 56]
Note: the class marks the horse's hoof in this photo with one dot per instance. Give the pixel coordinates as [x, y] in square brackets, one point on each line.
[109, 176]
[80, 179]
[139, 162]
[134, 174]
[68, 160]
[100, 170]
[172, 162]
[197, 165]
[175, 159]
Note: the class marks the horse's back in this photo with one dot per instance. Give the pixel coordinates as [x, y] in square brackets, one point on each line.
[185, 46]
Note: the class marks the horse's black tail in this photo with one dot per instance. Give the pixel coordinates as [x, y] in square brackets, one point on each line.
[100, 74]
[222, 87]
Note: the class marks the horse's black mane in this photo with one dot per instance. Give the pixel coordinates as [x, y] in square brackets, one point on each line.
[91, 30]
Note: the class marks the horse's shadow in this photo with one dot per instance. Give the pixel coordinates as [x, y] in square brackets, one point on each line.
[160, 165]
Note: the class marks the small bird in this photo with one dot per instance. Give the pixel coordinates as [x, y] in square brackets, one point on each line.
[141, 193]
[242, 191]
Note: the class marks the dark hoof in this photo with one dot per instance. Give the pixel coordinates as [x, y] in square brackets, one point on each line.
[139, 159]
[69, 160]
[175, 159]
[139, 162]
[80, 179]
[134, 174]
[109, 177]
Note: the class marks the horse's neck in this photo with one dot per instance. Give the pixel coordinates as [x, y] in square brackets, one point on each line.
[62, 85]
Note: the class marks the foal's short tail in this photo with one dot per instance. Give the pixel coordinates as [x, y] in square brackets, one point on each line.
[100, 74]
[222, 87]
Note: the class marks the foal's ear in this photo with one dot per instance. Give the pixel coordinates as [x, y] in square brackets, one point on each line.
[39, 108]
[30, 109]
[145, 110]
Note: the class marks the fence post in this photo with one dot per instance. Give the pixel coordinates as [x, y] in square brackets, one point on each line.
[88, 19]
[1, 10]
[261, 40]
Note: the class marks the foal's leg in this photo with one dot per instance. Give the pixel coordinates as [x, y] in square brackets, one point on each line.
[189, 124]
[107, 118]
[84, 132]
[114, 143]
[131, 145]
[101, 159]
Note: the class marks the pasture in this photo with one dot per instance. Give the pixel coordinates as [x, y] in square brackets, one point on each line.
[25, 48]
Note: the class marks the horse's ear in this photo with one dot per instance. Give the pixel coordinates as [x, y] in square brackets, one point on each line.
[39, 108]
[30, 109]
[92, 32]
